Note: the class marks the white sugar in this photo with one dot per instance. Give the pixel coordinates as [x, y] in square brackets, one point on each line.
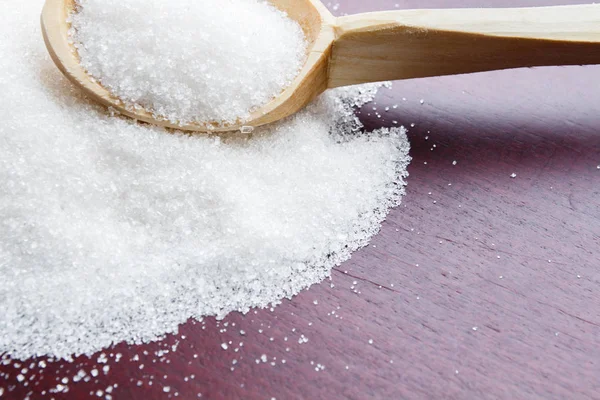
[189, 60]
[112, 231]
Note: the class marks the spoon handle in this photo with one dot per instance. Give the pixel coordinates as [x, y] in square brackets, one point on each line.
[419, 43]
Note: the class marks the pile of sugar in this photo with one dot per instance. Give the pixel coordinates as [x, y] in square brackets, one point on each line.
[189, 60]
[112, 231]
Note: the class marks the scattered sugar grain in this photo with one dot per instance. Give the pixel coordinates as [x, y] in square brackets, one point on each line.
[150, 228]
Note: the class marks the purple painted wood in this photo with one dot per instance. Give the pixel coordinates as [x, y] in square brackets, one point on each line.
[480, 286]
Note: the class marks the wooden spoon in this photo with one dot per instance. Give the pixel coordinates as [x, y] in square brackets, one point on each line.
[381, 46]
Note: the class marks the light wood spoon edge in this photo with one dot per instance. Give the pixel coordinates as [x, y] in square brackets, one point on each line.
[380, 46]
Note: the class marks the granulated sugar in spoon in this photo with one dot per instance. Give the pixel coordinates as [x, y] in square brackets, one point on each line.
[374, 47]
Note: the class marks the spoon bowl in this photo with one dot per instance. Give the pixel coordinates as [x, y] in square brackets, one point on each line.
[312, 16]
[377, 46]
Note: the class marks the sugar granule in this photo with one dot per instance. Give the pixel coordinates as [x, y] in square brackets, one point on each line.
[112, 231]
[189, 60]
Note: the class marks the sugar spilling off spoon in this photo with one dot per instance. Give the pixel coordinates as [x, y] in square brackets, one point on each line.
[189, 60]
[113, 231]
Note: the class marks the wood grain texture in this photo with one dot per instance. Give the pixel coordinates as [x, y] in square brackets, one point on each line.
[405, 44]
[538, 327]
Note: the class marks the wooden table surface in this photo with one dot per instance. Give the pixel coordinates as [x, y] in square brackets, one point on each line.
[480, 286]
